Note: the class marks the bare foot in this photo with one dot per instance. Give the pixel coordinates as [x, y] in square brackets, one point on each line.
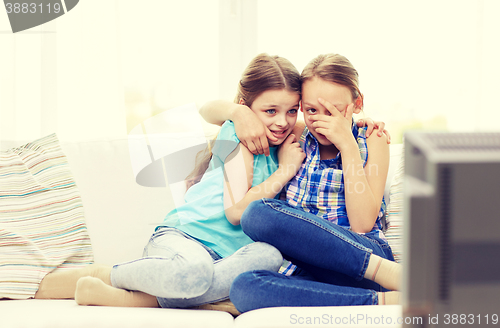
[93, 291]
[226, 306]
[389, 298]
[61, 284]
[100, 271]
[384, 272]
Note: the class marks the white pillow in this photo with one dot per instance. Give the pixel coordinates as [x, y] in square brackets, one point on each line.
[42, 226]
[394, 211]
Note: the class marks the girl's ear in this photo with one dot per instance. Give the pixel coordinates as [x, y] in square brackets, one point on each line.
[241, 102]
[358, 104]
[300, 106]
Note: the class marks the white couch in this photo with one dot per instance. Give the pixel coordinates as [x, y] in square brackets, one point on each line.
[120, 216]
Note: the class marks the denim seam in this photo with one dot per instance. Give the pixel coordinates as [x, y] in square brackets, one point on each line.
[365, 266]
[380, 243]
[374, 297]
[357, 245]
[242, 251]
[215, 256]
[384, 246]
[115, 267]
[267, 282]
[334, 233]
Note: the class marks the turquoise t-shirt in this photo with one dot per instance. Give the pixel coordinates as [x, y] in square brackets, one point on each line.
[202, 216]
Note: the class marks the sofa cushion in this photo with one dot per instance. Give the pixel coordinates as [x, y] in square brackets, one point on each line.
[394, 212]
[42, 225]
[323, 316]
[120, 214]
[66, 313]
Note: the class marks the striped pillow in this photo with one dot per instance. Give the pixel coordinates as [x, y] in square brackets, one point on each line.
[394, 212]
[42, 226]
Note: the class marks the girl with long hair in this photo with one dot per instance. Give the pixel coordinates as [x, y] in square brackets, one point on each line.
[195, 254]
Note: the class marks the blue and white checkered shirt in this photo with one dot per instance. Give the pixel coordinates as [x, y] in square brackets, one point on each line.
[318, 186]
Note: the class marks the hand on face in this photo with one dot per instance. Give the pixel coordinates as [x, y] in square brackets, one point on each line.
[337, 126]
[272, 116]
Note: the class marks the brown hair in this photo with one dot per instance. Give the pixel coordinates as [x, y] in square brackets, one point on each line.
[264, 73]
[334, 68]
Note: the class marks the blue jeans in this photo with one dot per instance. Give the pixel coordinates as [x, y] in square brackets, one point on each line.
[182, 272]
[332, 260]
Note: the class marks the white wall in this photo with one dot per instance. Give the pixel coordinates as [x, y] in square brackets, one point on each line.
[107, 65]
[417, 59]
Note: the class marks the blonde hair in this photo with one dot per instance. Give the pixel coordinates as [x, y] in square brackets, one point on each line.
[334, 68]
[264, 72]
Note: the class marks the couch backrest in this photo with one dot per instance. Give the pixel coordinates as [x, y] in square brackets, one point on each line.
[121, 214]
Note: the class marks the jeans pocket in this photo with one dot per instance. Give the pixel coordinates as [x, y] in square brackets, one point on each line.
[156, 238]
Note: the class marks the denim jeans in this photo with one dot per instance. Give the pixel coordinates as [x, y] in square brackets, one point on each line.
[331, 258]
[182, 272]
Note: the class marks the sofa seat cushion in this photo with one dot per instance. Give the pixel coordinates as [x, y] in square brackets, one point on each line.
[329, 316]
[66, 313]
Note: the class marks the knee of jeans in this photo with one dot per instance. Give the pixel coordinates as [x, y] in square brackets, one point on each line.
[242, 290]
[248, 213]
[249, 289]
[193, 277]
[253, 220]
[202, 272]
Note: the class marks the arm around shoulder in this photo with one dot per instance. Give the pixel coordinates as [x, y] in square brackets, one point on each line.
[218, 111]
[378, 148]
[377, 165]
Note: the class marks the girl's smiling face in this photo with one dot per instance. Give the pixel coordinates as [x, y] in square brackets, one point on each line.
[277, 109]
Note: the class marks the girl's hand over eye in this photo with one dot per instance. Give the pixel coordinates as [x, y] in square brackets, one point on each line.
[336, 127]
[251, 131]
[290, 156]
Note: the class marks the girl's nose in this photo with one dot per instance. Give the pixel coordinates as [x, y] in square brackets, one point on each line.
[280, 121]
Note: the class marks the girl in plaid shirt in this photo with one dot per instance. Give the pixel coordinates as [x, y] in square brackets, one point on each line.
[330, 224]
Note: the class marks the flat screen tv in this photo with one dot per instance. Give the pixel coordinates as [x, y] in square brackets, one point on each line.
[452, 229]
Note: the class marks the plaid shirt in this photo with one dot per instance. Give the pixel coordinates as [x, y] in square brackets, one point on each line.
[318, 186]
